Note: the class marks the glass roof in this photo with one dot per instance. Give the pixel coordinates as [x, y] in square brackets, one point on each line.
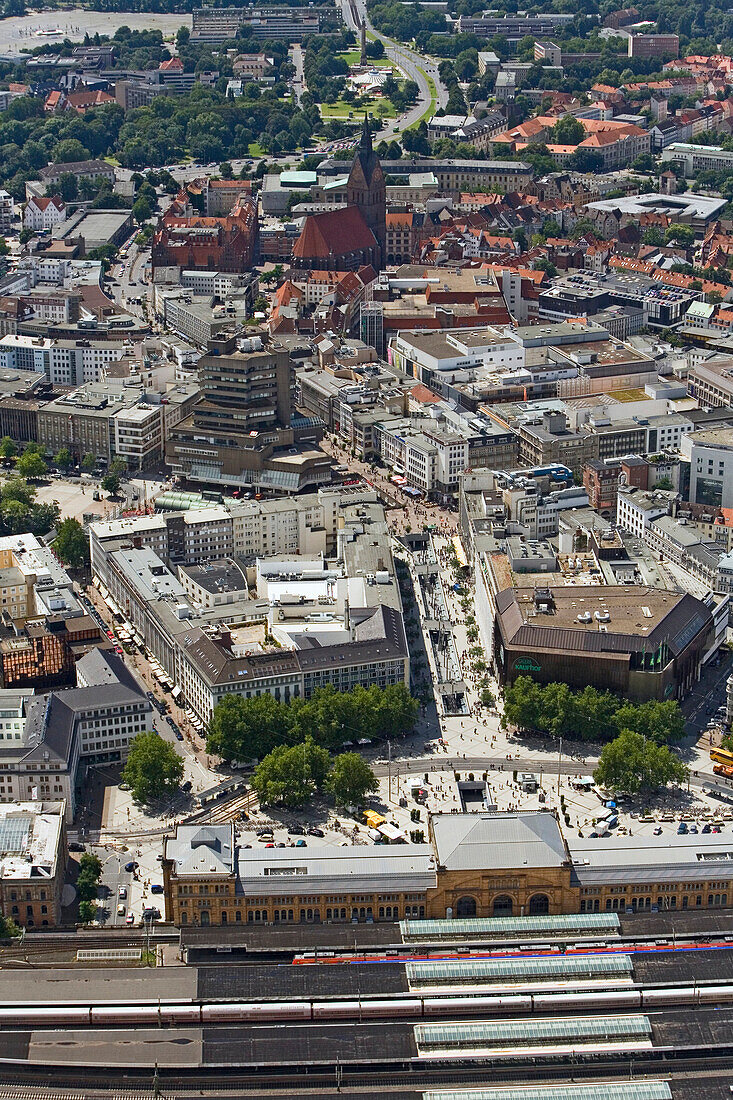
[534, 1032]
[504, 926]
[514, 970]
[629, 1090]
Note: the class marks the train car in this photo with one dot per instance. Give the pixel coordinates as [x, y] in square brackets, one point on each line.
[476, 1006]
[256, 1013]
[574, 1002]
[43, 1016]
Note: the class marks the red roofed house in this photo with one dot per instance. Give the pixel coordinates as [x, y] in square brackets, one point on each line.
[355, 235]
[44, 213]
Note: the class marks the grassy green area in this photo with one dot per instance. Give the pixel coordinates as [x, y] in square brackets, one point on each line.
[255, 149]
[431, 108]
[353, 57]
[383, 108]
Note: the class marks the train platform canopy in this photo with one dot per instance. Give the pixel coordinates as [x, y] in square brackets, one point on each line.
[500, 1034]
[470, 842]
[629, 1090]
[506, 971]
[568, 924]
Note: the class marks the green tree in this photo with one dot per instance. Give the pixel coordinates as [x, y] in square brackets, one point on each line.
[63, 458]
[87, 882]
[111, 483]
[291, 776]
[8, 928]
[153, 769]
[567, 131]
[247, 729]
[8, 448]
[351, 779]
[661, 722]
[87, 911]
[88, 462]
[683, 235]
[653, 235]
[141, 210]
[16, 488]
[631, 764]
[71, 544]
[31, 465]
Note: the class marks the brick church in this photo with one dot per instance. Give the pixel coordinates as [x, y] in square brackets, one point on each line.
[354, 235]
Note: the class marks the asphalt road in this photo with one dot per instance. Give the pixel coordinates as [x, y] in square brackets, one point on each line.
[414, 66]
[299, 86]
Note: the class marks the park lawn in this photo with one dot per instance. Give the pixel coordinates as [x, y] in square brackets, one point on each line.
[353, 57]
[342, 110]
[255, 149]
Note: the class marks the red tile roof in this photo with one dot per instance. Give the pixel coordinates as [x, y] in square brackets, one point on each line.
[333, 233]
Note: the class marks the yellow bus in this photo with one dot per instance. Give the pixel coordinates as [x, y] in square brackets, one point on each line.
[722, 756]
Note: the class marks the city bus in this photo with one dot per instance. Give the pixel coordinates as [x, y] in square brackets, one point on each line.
[722, 756]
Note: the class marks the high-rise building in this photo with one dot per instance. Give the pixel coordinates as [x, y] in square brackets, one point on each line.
[244, 431]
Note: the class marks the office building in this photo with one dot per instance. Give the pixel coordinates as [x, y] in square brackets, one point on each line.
[292, 24]
[244, 431]
[654, 45]
[32, 862]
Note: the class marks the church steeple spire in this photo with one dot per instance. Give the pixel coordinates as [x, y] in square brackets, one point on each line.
[365, 142]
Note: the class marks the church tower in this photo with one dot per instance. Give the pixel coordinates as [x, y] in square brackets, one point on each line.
[367, 190]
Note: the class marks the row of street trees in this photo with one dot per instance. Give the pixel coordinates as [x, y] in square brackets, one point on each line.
[90, 868]
[291, 776]
[588, 715]
[248, 729]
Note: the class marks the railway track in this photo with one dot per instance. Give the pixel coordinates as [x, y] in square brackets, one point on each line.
[75, 1083]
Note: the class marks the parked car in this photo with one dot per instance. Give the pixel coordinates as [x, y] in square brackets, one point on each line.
[179, 735]
[76, 846]
[316, 832]
[682, 828]
[300, 843]
[296, 830]
[156, 888]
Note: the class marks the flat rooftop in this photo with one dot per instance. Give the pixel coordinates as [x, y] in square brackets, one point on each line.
[216, 577]
[688, 205]
[632, 609]
[30, 834]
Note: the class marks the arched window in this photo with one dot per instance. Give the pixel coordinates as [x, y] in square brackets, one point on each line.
[466, 907]
[539, 905]
[503, 906]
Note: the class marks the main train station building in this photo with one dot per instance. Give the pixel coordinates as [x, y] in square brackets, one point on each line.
[476, 864]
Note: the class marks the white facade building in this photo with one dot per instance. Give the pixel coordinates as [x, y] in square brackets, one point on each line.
[43, 212]
[636, 509]
[64, 362]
